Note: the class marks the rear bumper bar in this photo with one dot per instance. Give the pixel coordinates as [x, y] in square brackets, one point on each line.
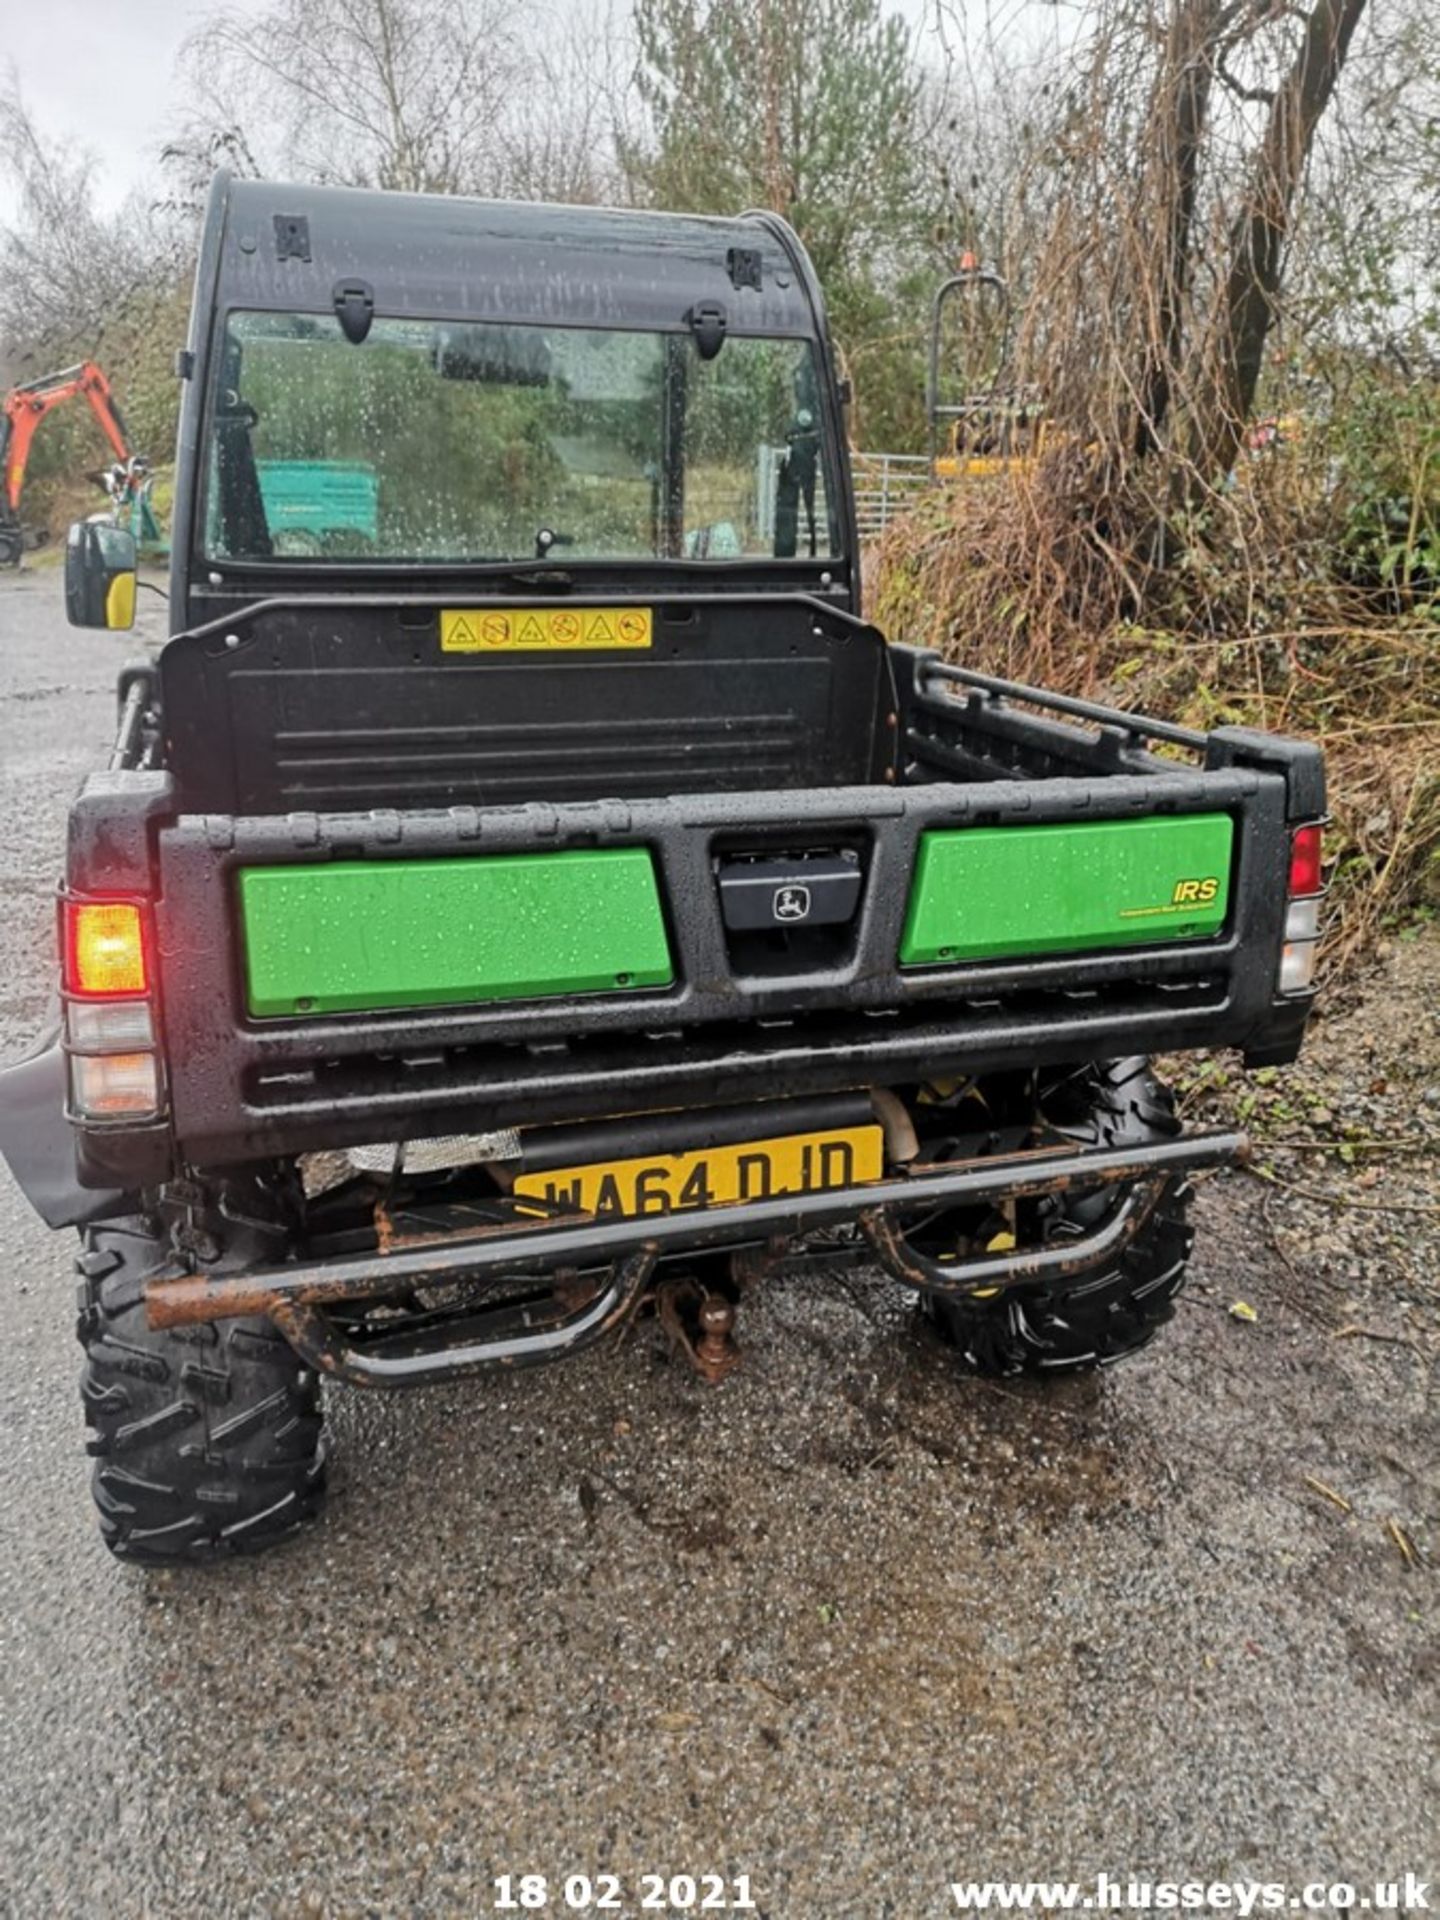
[296, 1295]
[835, 1017]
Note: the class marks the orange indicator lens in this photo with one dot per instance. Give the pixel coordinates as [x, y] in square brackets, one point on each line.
[106, 947]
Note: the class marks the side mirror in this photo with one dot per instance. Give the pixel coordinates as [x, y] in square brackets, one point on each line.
[100, 575]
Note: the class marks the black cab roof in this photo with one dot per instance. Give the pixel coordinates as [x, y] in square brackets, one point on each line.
[283, 247]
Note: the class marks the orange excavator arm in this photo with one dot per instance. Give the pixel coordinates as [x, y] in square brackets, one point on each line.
[26, 406]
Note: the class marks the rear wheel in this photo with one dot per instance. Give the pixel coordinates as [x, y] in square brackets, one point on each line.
[207, 1440]
[1119, 1308]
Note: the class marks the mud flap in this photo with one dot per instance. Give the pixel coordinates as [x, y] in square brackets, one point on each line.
[38, 1143]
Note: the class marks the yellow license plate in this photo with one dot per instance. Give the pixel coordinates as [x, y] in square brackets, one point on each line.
[713, 1176]
[538, 629]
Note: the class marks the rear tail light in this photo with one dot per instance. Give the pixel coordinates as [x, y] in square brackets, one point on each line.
[110, 1026]
[105, 947]
[1305, 861]
[1302, 915]
[1297, 966]
[109, 1086]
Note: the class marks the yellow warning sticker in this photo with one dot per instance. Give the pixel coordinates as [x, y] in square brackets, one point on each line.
[531, 629]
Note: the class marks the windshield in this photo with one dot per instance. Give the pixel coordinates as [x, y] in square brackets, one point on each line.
[437, 443]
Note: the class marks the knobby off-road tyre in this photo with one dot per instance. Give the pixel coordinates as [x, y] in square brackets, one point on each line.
[1120, 1308]
[207, 1440]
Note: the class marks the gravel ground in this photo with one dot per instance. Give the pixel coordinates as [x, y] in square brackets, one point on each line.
[850, 1624]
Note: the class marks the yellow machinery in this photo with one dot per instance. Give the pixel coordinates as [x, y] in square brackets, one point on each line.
[990, 427]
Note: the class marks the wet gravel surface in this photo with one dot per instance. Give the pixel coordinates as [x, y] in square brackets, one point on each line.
[850, 1624]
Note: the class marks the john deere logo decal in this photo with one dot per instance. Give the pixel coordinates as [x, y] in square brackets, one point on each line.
[791, 903]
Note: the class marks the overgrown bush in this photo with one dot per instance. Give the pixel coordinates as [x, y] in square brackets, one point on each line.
[1384, 441]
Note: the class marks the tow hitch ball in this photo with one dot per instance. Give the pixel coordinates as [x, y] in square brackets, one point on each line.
[699, 1322]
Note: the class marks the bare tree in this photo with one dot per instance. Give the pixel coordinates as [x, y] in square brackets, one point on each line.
[1181, 147]
[1169, 197]
[1363, 274]
[406, 94]
[558, 139]
[1230, 352]
[67, 272]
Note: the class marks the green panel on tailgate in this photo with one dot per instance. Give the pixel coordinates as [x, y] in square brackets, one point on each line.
[367, 934]
[991, 893]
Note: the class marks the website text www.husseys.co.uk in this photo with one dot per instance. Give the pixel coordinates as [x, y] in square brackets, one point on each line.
[1125, 1894]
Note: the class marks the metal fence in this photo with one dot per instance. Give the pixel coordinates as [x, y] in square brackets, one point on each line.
[886, 485]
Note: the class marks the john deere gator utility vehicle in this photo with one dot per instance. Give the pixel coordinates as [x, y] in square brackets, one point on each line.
[525, 890]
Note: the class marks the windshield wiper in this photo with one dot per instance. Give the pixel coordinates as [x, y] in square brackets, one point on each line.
[542, 577]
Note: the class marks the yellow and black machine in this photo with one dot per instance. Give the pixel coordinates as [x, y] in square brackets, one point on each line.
[990, 425]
